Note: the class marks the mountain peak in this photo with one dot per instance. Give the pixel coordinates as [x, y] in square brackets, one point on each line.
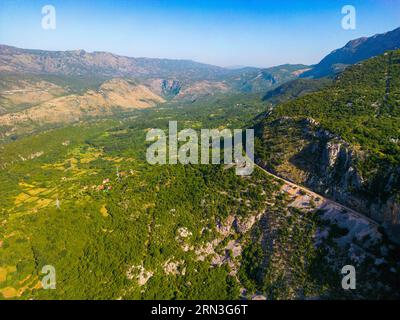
[355, 51]
[356, 42]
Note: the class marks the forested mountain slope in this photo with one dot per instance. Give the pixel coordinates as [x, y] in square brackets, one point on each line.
[294, 89]
[343, 141]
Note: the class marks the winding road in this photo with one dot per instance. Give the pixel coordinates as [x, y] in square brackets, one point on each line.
[326, 201]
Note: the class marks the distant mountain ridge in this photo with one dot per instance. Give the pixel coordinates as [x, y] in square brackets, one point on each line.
[53, 87]
[355, 51]
[80, 62]
[184, 74]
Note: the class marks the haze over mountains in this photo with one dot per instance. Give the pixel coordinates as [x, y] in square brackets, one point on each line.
[79, 63]
[71, 84]
[105, 64]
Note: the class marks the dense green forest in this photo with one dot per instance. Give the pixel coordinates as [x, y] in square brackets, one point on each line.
[84, 199]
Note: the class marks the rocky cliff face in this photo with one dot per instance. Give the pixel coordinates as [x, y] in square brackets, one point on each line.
[339, 177]
[336, 173]
[327, 164]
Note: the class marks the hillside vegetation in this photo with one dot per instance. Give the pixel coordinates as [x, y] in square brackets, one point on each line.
[343, 141]
[83, 199]
[77, 192]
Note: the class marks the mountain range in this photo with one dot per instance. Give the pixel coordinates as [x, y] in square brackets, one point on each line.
[74, 85]
[355, 51]
[105, 64]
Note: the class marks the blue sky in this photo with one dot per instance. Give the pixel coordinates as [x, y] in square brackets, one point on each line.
[225, 33]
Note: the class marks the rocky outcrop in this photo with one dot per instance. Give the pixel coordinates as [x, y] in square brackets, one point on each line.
[338, 177]
[329, 165]
[242, 225]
